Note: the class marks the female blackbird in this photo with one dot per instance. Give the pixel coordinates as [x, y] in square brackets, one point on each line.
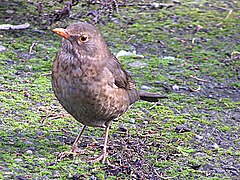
[90, 83]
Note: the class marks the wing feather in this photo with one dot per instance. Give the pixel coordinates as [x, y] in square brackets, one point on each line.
[122, 79]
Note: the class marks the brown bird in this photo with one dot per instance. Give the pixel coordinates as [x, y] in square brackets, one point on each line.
[90, 83]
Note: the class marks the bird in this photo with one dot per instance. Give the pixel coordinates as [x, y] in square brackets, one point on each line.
[90, 83]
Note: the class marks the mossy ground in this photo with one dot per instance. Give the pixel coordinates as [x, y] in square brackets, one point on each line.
[191, 54]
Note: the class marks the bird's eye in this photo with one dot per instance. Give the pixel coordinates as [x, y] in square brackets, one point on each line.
[83, 38]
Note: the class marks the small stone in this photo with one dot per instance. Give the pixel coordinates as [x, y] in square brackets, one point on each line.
[182, 128]
[77, 176]
[8, 173]
[219, 171]
[30, 68]
[3, 168]
[42, 159]
[145, 122]
[137, 64]
[200, 154]
[199, 137]
[93, 177]
[18, 160]
[56, 153]
[29, 152]
[169, 58]
[26, 94]
[126, 53]
[215, 146]
[2, 48]
[175, 87]
[155, 5]
[9, 11]
[144, 87]
[209, 166]
[39, 31]
[132, 121]
[122, 129]
[55, 174]
[28, 142]
[196, 166]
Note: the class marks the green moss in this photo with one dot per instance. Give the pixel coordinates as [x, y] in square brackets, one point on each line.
[30, 113]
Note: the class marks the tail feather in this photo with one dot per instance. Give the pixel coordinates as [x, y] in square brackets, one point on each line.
[150, 97]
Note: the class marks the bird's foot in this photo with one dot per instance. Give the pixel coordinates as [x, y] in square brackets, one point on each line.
[102, 157]
[72, 153]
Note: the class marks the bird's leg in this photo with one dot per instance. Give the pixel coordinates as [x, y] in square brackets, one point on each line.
[75, 144]
[74, 150]
[104, 151]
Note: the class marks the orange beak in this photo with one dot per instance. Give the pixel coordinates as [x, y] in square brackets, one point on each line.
[61, 32]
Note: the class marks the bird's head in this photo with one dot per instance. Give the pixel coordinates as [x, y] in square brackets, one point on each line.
[84, 39]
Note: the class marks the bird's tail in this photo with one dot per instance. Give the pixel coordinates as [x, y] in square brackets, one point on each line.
[151, 97]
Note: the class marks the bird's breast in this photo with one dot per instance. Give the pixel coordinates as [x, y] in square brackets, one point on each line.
[84, 91]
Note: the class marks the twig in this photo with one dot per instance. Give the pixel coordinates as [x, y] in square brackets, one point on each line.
[31, 47]
[193, 40]
[198, 79]
[46, 74]
[160, 176]
[229, 13]
[195, 90]
[67, 132]
[157, 5]
[14, 27]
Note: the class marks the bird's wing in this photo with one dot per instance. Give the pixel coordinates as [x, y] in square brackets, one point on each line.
[122, 79]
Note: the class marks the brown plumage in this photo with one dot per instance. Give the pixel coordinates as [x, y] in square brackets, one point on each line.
[89, 81]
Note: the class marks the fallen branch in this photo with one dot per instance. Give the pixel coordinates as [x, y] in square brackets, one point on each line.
[154, 5]
[46, 74]
[14, 27]
[198, 79]
[31, 47]
[229, 13]
[195, 90]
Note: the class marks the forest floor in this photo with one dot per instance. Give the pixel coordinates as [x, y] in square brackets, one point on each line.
[190, 52]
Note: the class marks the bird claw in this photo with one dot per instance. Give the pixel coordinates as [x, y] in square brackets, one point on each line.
[102, 157]
[72, 153]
